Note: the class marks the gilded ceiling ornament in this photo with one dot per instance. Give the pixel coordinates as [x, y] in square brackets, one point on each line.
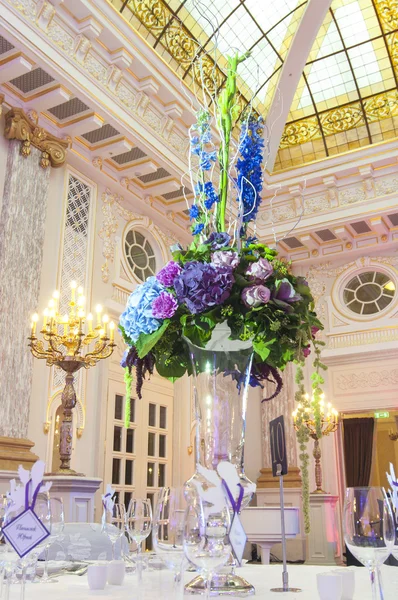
[341, 119]
[18, 126]
[387, 11]
[382, 106]
[300, 132]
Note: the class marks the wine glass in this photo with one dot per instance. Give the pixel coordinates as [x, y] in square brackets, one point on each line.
[55, 528]
[114, 523]
[369, 529]
[206, 542]
[168, 529]
[139, 525]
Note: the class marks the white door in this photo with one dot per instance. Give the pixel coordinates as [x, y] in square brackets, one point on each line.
[139, 459]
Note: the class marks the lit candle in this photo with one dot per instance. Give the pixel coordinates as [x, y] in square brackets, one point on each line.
[105, 321]
[35, 318]
[90, 322]
[101, 333]
[98, 310]
[81, 300]
[65, 323]
[45, 317]
[73, 286]
[80, 290]
[112, 330]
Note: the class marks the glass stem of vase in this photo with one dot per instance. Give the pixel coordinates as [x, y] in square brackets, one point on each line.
[380, 583]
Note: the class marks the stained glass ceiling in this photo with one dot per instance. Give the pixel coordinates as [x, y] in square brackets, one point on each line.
[182, 30]
[347, 96]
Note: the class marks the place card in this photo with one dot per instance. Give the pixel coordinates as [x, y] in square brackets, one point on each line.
[237, 538]
[25, 532]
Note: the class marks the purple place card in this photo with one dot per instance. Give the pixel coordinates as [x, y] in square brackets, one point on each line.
[25, 532]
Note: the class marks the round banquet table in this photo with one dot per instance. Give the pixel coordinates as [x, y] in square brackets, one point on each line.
[158, 585]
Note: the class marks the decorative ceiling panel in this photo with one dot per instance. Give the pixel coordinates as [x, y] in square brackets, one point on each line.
[150, 177]
[32, 80]
[5, 45]
[130, 156]
[68, 109]
[100, 134]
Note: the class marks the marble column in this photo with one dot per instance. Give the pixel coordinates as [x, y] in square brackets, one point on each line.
[267, 485]
[22, 229]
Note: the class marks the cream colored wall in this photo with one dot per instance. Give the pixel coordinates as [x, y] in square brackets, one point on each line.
[3, 157]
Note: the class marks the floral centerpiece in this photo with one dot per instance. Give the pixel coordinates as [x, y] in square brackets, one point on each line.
[226, 275]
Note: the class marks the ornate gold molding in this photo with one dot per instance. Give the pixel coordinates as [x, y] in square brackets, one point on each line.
[19, 126]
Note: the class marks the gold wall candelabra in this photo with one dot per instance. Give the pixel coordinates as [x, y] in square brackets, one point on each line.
[320, 419]
[65, 343]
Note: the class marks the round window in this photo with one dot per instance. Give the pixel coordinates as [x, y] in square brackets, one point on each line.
[140, 255]
[369, 293]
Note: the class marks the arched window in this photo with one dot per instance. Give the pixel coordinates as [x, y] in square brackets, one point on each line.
[140, 254]
[369, 292]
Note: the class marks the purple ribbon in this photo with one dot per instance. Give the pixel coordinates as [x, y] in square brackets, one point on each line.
[235, 504]
[108, 495]
[35, 494]
[395, 483]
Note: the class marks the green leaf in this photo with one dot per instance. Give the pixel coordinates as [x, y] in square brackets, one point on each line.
[261, 348]
[241, 281]
[146, 341]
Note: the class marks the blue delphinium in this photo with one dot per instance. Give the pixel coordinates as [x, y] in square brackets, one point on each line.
[249, 167]
[198, 228]
[193, 212]
[137, 317]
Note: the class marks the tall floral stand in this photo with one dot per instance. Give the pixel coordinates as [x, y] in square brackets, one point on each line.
[221, 375]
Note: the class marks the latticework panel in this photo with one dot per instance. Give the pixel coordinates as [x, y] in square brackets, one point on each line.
[75, 251]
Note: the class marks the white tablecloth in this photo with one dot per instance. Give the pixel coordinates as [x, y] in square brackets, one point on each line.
[158, 585]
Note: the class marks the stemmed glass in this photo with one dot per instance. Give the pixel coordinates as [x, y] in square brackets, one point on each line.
[3, 509]
[206, 541]
[139, 525]
[369, 529]
[114, 524]
[168, 530]
[42, 510]
[55, 528]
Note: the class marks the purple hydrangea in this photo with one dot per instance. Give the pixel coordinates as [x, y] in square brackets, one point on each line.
[164, 306]
[167, 275]
[255, 295]
[259, 271]
[218, 240]
[201, 286]
[225, 258]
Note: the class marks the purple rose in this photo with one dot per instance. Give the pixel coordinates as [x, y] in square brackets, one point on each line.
[167, 275]
[285, 292]
[164, 306]
[218, 240]
[259, 271]
[201, 286]
[225, 258]
[307, 351]
[255, 295]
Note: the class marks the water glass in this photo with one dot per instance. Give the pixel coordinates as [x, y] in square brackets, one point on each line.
[114, 524]
[369, 529]
[55, 527]
[139, 525]
[206, 542]
[168, 529]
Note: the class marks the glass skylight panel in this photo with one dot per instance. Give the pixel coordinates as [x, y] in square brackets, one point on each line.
[329, 78]
[259, 67]
[353, 27]
[239, 32]
[331, 43]
[267, 13]
[365, 65]
[209, 13]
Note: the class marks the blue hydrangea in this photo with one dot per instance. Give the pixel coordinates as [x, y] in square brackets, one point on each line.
[249, 167]
[137, 317]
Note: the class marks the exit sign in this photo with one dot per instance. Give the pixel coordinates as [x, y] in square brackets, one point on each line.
[382, 415]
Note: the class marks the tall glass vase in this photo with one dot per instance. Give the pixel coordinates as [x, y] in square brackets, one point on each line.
[221, 373]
